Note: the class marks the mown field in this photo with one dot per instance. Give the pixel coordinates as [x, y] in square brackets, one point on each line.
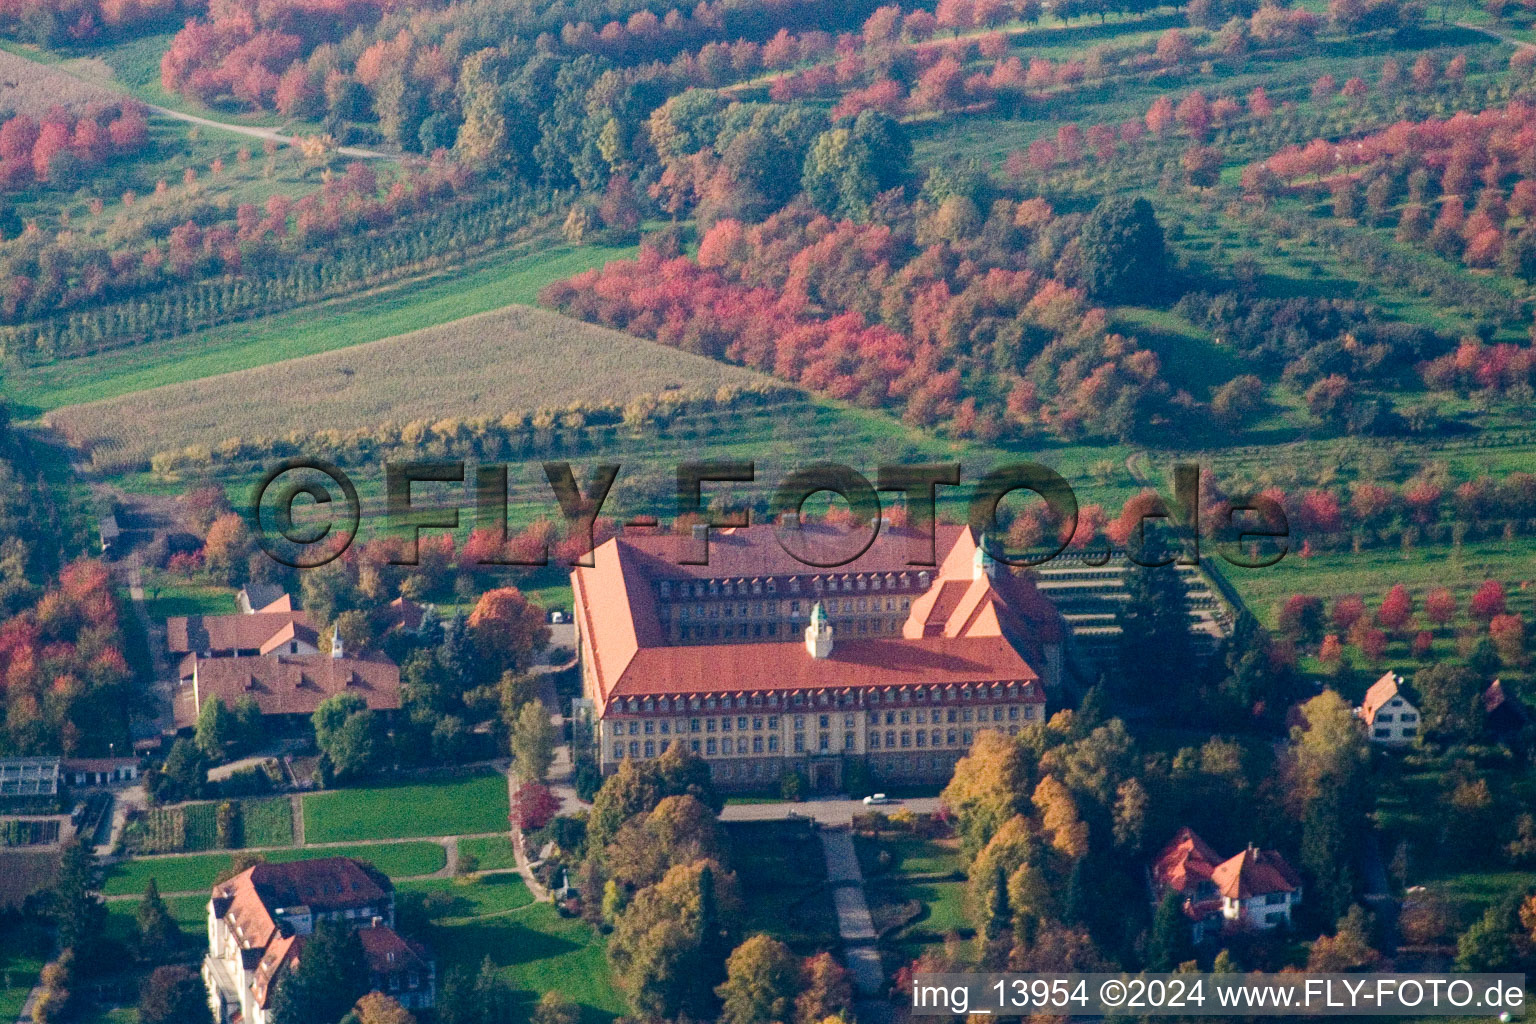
[194, 872]
[499, 280]
[518, 358]
[453, 807]
[533, 948]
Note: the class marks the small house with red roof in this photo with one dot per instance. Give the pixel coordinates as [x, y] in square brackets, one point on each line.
[1256, 888]
[1389, 717]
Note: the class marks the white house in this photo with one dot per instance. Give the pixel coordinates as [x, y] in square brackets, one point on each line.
[1258, 888]
[1388, 716]
[1255, 888]
[259, 920]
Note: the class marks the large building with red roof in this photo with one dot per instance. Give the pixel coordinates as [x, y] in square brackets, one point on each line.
[763, 664]
[259, 921]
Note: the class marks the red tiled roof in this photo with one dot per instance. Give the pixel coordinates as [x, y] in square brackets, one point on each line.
[404, 613]
[289, 684]
[961, 630]
[1254, 872]
[1381, 691]
[389, 953]
[1185, 862]
[202, 633]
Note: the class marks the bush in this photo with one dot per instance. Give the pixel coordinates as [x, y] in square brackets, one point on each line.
[792, 786]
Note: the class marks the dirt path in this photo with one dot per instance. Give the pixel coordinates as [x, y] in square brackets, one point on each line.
[105, 80]
[1494, 33]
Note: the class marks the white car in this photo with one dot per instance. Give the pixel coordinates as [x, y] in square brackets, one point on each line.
[876, 798]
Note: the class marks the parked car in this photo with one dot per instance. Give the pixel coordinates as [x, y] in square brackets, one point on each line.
[876, 798]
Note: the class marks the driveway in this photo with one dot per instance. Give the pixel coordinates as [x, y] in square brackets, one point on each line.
[830, 811]
[854, 924]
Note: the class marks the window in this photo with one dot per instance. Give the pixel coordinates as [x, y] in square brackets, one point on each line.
[906, 738]
[1013, 713]
[1382, 734]
[634, 748]
[773, 721]
[709, 746]
[741, 723]
[799, 742]
[650, 748]
[693, 725]
[922, 738]
[874, 741]
[757, 744]
[650, 727]
[1384, 718]
[618, 750]
[773, 744]
[799, 723]
[823, 743]
[1274, 899]
[725, 725]
[847, 741]
[727, 746]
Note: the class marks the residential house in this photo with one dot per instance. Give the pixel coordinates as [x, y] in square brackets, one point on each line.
[1256, 888]
[259, 921]
[1505, 714]
[263, 597]
[1389, 717]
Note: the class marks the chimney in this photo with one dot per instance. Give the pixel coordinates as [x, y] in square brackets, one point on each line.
[818, 635]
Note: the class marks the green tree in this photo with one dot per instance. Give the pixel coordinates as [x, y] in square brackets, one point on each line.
[846, 168]
[475, 997]
[1488, 945]
[1154, 620]
[1450, 699]
[1518, 258]
[999, 916]
[78, 913]
[183, 774]
[347, 734]
[1125, 258]
[760, 982]
[1169, 944]
[668, 948]
[533, 742]
[159, 934]
[330, 977]
[216, 729]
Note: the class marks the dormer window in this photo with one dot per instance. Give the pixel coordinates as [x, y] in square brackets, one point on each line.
[666, 589]
[773, 586]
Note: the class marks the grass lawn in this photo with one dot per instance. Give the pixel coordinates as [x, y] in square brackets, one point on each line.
[190, 912]
[492, 852]
[534, 948]
[165, 597]
[910, 855]
[17, 976]
[197, 871]
[446, 808]
[500, 280]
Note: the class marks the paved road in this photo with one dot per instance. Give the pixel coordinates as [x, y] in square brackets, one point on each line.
[854, 923]
[832, 811]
